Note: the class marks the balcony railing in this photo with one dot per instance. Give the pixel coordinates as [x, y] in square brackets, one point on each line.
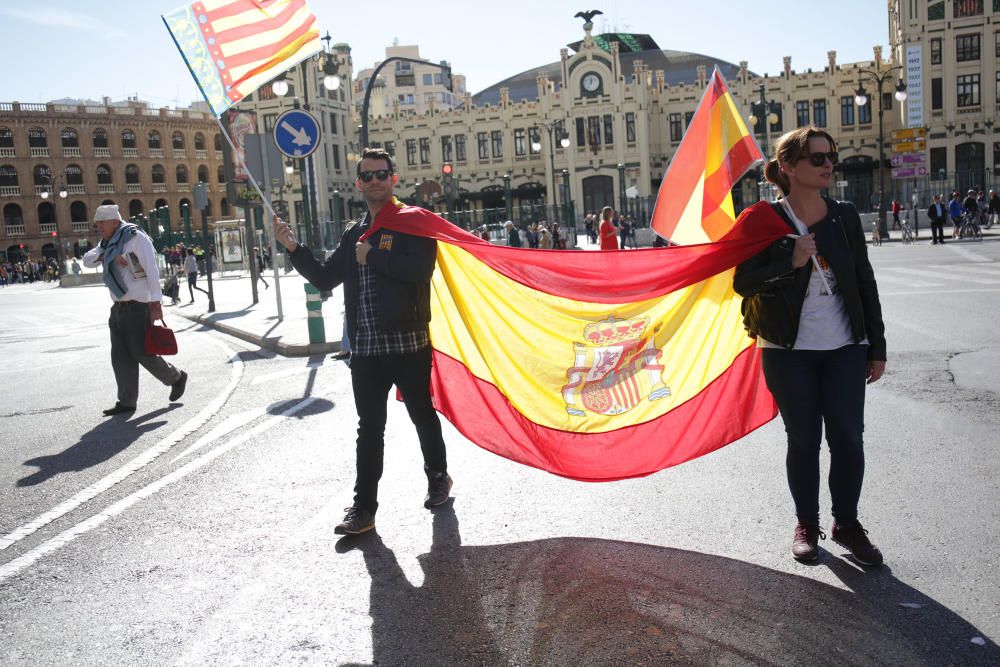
[201, 155]
[133, 187]
[130, 152]
[71, 151]
[155, 152]
[81, 226]
[75, 189]
[106, 188]
[39, 189]
[159, 187]
[218, 155]
[102, 152]
[10, 190]
[14, 230]
[47, 227]
[180, 153]
[7, 152]
[40, 152]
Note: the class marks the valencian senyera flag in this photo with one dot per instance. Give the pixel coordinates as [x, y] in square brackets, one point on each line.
[233, 47]
[694, 204]
[595, 366]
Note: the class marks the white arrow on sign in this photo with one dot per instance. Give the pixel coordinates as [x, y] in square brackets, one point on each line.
[299, 136]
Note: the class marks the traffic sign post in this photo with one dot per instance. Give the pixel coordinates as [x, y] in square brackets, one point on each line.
[296, 133]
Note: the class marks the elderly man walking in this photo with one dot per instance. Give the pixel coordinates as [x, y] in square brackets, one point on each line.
[130, 274]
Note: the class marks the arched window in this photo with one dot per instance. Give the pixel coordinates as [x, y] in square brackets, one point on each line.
[78, 212]
[131, 174]
[154, 140]
[218, 141]
[160, 203]
[103, 174]
[6, 138]
[199, 141]
[8, 176]
[128, 138]
[73, 174]
[178, 141]
[12, 215]
[46, 213]
[135, 208]
[224, 207]
[220, 174]
[70, 139]
[202, 173]
[100, 138]
[182, 174]
[159, 174]
[42, 175]
[37, 138]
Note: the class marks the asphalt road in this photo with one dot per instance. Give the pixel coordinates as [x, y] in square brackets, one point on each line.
[201, 532]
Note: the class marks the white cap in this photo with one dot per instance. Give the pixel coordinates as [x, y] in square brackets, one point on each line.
[108, 212]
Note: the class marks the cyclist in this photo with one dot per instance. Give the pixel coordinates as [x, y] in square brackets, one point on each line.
[955, 212]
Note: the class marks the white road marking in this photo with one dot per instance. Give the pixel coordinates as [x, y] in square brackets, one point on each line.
[971, 290]
[882, 277]
[141, 461]
[945, 276]
[966, 253]
[62, 539]
[286, 373]
[979, 269]
[228, 425]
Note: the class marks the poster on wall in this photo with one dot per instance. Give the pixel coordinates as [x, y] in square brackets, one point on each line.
[914, 86]
[232, 246]
[239, 190]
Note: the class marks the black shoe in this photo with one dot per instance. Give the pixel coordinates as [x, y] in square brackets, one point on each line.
[356, 521]
[177, 388]
[340, 356]
[805, 541]
[853, 537]
[119, 409]
[438, 487]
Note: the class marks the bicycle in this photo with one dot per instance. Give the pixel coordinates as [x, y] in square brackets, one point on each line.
[969, 227]
[907, 232]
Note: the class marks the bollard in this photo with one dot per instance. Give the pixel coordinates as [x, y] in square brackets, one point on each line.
[314, 307]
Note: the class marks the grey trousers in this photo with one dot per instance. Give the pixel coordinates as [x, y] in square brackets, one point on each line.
[128, 323]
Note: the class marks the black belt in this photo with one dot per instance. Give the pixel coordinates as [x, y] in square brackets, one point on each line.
[131, 304]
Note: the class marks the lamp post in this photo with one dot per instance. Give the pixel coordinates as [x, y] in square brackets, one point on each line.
[507, 203]
[45, 194]
[621, 189]
[554, 135]
[861, 98]
[763, 111]
[443, 66]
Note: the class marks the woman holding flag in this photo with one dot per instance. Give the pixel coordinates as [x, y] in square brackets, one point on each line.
[811, 301]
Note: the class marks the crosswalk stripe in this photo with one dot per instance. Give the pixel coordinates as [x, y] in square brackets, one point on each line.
[960, 278]
[882, 278]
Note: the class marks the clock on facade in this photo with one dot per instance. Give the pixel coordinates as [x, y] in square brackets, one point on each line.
[591, 82]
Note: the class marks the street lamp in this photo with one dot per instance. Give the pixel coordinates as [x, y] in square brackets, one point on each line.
[45, 194]
[536, 145]
[763, 112]
[446, 76]
[861, 98]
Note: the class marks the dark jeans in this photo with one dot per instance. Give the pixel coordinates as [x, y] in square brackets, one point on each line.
[814, 388]
[372, 378]
[937, 231]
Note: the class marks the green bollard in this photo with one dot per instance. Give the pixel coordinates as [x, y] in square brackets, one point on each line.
[314, 306]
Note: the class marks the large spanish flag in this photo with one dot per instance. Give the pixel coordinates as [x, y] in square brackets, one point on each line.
[694, 204]
[233, 47]
[595, 366]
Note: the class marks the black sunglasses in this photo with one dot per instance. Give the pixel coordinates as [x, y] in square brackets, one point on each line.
[380, 174]
[818, 159]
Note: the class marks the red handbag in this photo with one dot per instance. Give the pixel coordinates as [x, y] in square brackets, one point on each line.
[159, 340]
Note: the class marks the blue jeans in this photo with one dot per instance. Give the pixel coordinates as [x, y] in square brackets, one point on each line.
[814, 388]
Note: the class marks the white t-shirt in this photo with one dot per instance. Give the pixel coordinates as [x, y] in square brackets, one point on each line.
[824, 323]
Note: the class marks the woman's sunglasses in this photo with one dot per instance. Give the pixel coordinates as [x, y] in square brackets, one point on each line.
[818, 159]
[380, 174]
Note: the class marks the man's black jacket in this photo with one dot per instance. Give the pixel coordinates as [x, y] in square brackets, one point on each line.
[403, 266]
[774, 291]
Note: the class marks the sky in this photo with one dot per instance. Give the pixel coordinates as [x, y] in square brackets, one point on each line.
[118, 48]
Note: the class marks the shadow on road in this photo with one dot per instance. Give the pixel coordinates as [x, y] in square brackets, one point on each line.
[588, 601]
[96, 446]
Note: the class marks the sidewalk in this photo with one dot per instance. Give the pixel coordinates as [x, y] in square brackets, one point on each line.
[236, 314]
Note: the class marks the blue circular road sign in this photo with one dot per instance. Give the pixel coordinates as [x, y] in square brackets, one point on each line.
[296, 133]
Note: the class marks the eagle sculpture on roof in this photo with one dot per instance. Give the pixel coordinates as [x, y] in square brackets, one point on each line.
[588, 17]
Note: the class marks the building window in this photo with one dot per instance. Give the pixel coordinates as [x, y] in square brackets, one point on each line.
[559, 130]
[177, 141]
[865, 112]
[581, 132]
[997, 88]
[968, 90]
[37, 138]
[630, 127]
[688, 117]
[675, 127]
[819, 113]
[802, 113]
[6, 138]
[460, 147]
[847, 110]
[425, 150]
[519, 141]
[609, 132]
[446, 148]
[594, 130]
[128, 139]
[939, 163]
[535, 139]
[887, 99]
[390, 148]
[496, 137]
[936, 51]
[411, 152]
[964, 8]
[427, 79]
[333, 123]
[967, 47]
[483, 143]
[153, 140]
[996, 39]
[937, 94]
[199, 141]
[70, 138]
[336, 157]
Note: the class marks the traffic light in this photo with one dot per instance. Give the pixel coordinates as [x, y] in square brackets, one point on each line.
[447, 169]
[55, 234]
[448, 180]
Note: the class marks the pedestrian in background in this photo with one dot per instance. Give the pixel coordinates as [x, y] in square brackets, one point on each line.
[955, 212]
[191, 268]
[260, 266]
[812, 303]
[936, 214]
[128, 259]
[896, 208]
[387, 302]
[607, 230]
[513, 238]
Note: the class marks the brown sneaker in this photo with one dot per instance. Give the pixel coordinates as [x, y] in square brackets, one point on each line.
[854, 538]
[356, 521]
[807, 536]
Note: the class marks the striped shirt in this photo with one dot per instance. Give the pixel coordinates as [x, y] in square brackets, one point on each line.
[370, 341]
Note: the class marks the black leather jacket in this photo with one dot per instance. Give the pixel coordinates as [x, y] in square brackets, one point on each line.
[774, 291]
[403, 266]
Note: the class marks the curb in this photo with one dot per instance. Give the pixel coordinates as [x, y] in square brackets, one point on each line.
[275, 344]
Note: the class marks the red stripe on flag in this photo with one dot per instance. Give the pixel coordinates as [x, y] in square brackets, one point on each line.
[264, 53]
[719, 183]
[262, 25]
[237, 7]
[733, 405]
